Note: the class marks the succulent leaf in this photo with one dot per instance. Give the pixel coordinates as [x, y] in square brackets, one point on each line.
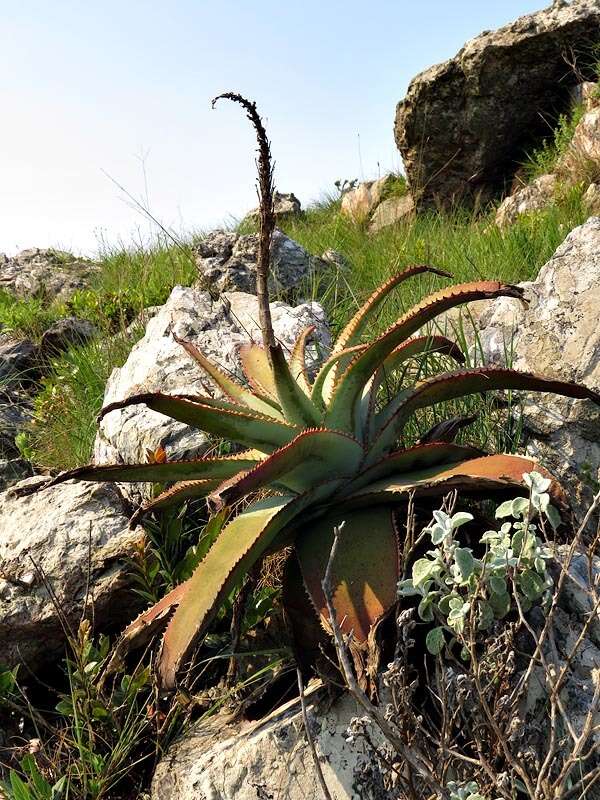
[365, 570]
[312, 457]
[451, 385]
[241, 543]
[246, 427]
[349, 387]
[175, 495]
[297, 407]
[298, 359]
[230, 387]
[257, 369]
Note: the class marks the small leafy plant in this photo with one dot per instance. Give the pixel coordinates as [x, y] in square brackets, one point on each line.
[460, 590]
[318, 452]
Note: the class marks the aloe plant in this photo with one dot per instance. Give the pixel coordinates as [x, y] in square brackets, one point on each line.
[328, 451]
[320, 452]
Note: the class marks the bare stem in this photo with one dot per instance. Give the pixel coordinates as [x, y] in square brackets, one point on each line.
[265, 191]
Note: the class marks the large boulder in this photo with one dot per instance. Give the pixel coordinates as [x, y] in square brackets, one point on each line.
[226, 262]
[62, 557]
[465, 124]
[581, 161]
[535, 196]
[359, 203]
[158, 363]
[45, 273]
[271, 758]
[557, 335]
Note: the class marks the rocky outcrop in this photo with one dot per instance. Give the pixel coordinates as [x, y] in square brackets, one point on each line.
[157, 362]
[557, 335]
[64, 333]
[226, 262]
[392, 211]
[284, 207]
[271, 758]
[464, 124]
[581, 161]
[358, 204]
[532, 197]
[18, 361]
[72, 538]
[591, 198]
[50, 274]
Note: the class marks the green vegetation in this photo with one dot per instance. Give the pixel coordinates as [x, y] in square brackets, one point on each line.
[545, 158]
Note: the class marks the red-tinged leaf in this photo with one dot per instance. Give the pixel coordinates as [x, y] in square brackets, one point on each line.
[448, 429]
[230, 387]
[245, 427]
[479, 477]
[349, 388]
[298, 359]
[257, 369]
[311, 458]
[165, 471]
[241, 543]
[354, 329]
[318, 389]
[452, 385]
[438, 455]
[365, 572]
[297, 407]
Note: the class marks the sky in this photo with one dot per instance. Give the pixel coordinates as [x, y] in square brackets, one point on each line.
[102, 94]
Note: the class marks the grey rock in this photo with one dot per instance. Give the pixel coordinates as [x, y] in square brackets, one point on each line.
[284, 207]
[535, 196]
[77, 535]
[591, 198]
[391, 211]
[464, 124]
[226, 261]
[270, 758]
[581, 160]
[15, 414]
[14, 470]
[158, 363]
[336, 259]
[66, 332]
[557, 335]
[19, 361]
[45, 273]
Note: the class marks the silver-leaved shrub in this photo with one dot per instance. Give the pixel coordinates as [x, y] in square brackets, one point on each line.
[461, 592]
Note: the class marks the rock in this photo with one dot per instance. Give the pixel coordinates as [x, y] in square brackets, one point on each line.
[66, 332]
[359, 203]
[19, 361]
[534, 197]
[157, 362]
[391, 211]
[226, 261]
[14, 470]
[78, 535]
[581, 161]
[269, 759]
[559, 336]
[284, 206]
[464, 124]
[591, 198]
[50, 274]
[587, 94]
[15, 414]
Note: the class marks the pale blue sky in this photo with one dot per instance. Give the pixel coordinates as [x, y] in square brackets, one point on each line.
[97, 86]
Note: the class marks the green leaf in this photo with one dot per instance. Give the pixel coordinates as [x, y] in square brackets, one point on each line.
[465, 562]
[500, 604]
[435, 641]
[19, 788]
[222, 419]
[553, 517]
[497, 584]
[297, 407]
[423, 569]
[425, 609]
[531, 584]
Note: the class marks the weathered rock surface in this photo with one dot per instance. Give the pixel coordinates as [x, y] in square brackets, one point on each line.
[66, 332]
[591, 198]
[78, 535]
[581, 160]
[464, 124]
[157, 362]
[558, 335]
[359, 203]
[44, 273]
[15, 413]
[285, 205]
[270, 759]
[533, 197]
[18, 360]
[226, 262]
[391, 211]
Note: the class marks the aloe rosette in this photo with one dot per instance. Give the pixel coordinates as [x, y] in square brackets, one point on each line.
[327, 451]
